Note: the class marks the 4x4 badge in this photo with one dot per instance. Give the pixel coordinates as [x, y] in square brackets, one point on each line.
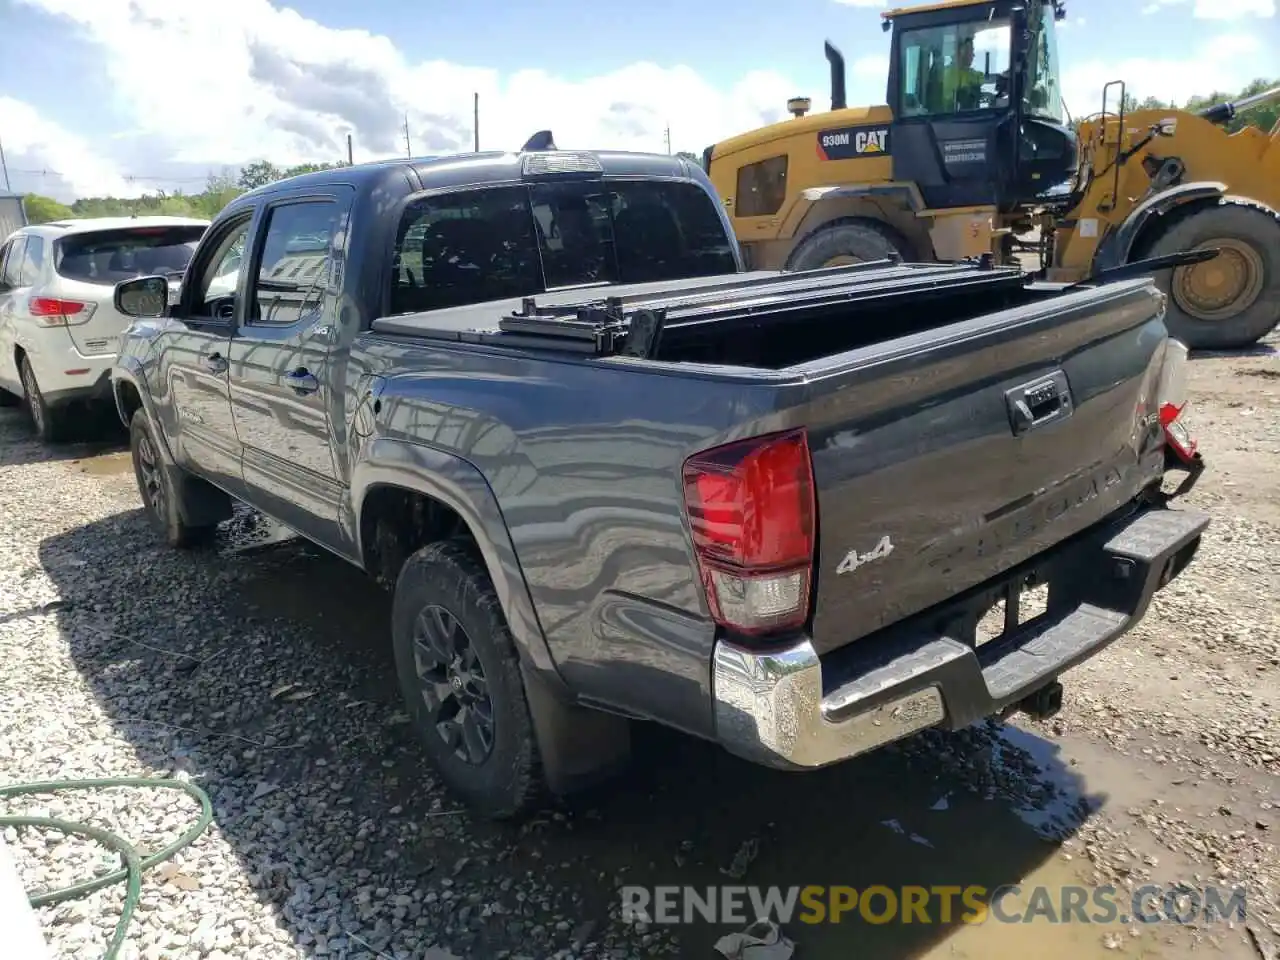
[853, 559]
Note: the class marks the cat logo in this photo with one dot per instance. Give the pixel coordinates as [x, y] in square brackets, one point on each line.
[849, 142]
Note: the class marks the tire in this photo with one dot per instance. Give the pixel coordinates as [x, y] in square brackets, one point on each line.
[158, 485]
[50, 424]
[444, 586]
[846, 241]
[1249, 237]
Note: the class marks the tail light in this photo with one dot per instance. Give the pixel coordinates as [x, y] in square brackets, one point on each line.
[52, 312]
[751, 512]
[1173, 402]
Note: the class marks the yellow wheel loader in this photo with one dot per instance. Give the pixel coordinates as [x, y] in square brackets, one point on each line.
[971, 151]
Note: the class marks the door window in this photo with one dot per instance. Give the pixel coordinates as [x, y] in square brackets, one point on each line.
[955, 68]
[29, 271]
[293, 271]
[215, 289]
[11, 276]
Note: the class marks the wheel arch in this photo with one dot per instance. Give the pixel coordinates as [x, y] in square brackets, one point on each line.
[890, 205]
[1152, 217]
[444, 496]
[129, 397]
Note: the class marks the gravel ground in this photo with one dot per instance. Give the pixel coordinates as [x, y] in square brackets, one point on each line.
[262, 673]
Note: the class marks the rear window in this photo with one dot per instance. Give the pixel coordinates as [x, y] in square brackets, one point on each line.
[110, 256]
[490, 244]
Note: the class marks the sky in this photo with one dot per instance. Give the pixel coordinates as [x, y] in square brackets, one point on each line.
[124, 97]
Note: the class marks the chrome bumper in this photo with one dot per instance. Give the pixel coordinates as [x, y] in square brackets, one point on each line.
[769, 709]
[770, 706]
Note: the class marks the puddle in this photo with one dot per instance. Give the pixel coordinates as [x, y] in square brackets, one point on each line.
[106, 464]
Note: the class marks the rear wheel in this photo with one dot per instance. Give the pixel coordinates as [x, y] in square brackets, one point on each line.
[50, 423]
[1233, 300]
[843, 243]
[461, 681]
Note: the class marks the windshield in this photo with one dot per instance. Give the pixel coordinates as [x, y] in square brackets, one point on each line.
[474, 246]
[955, 68]
[1043, 97]
[107, 257]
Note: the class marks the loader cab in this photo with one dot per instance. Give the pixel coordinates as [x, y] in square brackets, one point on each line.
[976, 96]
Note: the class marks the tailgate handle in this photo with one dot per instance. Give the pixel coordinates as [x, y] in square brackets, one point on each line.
[1039, 402]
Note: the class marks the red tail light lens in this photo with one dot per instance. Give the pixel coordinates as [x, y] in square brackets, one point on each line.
[1173, 401]
[751, 512]
[52, 312]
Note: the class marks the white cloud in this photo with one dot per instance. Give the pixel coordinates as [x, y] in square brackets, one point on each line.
[43, 156]
[1218, 9]
[227, 83]
[1226, 62]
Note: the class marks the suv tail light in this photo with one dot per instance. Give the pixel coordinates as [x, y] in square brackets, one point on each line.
[752, 515]
[51, 312]
[1173, 402]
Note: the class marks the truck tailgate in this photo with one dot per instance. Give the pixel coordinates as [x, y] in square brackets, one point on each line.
[944, 458]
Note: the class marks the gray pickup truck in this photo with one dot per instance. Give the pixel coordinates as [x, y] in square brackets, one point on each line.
[611, 476]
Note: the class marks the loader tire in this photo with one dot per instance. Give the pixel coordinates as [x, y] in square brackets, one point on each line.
[1233, 300]
[845, 242]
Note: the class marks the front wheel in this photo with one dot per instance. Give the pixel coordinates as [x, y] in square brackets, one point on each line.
[460, 678]
[1233, 300]
[158, 485]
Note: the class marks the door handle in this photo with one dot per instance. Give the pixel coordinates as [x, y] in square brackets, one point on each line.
[215, 363]
[302, 381]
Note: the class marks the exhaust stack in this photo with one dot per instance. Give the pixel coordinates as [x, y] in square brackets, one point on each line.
[836, 59]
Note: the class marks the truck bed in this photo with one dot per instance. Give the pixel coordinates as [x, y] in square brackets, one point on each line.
[960, 420]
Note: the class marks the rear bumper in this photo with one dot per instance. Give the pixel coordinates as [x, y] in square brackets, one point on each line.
[789, 708]
[97, 390]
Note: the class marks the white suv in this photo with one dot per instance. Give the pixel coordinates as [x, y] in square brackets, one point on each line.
[59, 331]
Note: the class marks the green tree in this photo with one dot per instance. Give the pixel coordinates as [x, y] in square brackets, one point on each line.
[691, 157]
[45, 209]
[258, 174]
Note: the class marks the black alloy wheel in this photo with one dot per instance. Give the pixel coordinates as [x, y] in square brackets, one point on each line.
[454, 689]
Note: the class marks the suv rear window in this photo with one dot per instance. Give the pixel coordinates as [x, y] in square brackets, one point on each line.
[109, 256]
[491, 244]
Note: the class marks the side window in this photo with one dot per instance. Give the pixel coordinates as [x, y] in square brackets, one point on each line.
[215, 289]
[762, 188]
[293, 272]
[12, 276]
[4, 254]
[955, 68]
[465, 247]
[912, 80]
[29, 271]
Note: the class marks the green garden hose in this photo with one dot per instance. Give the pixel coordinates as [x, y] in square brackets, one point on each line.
[134, 862]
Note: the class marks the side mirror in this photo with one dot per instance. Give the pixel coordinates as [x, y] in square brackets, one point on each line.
[142, 297]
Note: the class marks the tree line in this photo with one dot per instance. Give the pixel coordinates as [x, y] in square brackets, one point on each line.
[221, 189]
[1263, 117]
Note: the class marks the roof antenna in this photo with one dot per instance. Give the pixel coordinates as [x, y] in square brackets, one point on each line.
[542, 140]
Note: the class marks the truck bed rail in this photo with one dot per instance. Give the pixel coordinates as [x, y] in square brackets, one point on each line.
[636, 321]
